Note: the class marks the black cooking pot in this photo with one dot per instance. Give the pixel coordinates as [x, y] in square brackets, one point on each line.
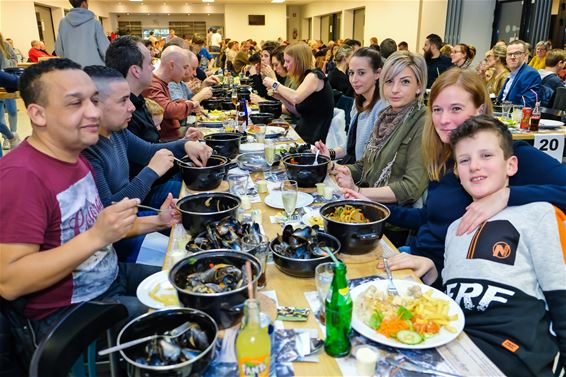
[212, 103]
[226, 308]
[203, 178]
[244, 92]
[304, 268]
[272, 107]
[357, 238]
[227, 105]
[200, 209]
[246, 81]
[225, 144]
[261, 118]
[158, 322]
[219, 91]
[303, 171]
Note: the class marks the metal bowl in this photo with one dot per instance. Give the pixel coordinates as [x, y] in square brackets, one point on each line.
[357, 238]
[158, 322]
[303, 268]
[195, 214]
[226, 308]
[254, 161]
[304, 171]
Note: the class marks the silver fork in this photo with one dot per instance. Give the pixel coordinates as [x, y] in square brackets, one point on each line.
[391, 289]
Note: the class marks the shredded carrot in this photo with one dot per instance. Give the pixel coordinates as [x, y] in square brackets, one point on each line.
[390, 327]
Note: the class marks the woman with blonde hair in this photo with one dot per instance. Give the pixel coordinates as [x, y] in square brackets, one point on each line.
[539, 60]
[312, 102]
[496, 59]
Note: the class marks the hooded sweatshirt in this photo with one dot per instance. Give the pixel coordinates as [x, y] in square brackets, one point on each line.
[81, 38]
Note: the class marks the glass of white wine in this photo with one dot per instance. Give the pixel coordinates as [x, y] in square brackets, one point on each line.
[289, 196]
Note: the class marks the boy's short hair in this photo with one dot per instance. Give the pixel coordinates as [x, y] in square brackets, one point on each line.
[554, 56]
[103, 76]
[153, 107]
[32, 89]
[476, 124]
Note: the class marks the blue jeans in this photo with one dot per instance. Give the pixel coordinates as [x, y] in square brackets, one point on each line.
[4, 130]
[159, 192]
[12, 110]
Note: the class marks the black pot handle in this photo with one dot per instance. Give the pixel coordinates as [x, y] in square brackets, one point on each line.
[229, 166]
[367, 237]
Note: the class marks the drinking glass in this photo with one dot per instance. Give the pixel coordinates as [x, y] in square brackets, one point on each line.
[323, 275]
[269, 152]
[238, 184]
[289, 196]
[258, 245]
[517, 114]
[506, 107]
[259, 134]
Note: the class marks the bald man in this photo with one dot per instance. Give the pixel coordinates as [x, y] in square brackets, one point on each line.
[175, 65]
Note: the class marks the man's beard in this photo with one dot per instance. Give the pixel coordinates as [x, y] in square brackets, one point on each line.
[428, 54]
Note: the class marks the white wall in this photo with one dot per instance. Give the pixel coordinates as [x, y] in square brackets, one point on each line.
[295, 20]
[432, 21]
[236, 22]
[477, 22]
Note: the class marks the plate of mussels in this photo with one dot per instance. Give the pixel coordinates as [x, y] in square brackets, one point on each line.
[224, 234]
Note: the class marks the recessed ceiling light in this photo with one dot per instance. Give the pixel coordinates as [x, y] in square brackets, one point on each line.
[277, 1]
[208, 1]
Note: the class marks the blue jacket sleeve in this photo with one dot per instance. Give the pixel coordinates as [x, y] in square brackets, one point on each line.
[411, 218]
[540, 178]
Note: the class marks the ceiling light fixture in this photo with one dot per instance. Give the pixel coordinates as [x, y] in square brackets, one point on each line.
[277, 1]
[208, 1]
[136, 1]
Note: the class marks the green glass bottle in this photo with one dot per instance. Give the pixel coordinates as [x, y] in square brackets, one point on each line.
[338, 314]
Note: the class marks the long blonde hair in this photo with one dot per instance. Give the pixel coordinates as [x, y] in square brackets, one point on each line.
[304, 60]
[435, 152]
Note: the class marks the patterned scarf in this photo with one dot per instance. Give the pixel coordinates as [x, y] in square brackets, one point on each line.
[386, 123]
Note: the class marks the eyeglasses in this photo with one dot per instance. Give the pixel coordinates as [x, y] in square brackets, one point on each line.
[515, 54]
[456, 52]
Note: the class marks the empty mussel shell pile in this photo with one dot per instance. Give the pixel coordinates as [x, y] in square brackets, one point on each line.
[224, 234]
[216, 278]
[302, 243]
[170, 351]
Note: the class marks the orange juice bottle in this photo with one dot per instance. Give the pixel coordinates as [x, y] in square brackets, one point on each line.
[253, 346]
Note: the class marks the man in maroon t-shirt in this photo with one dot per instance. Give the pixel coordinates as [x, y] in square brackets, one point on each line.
[56, 237]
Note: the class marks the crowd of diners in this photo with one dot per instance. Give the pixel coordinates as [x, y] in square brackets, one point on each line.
[105, 135]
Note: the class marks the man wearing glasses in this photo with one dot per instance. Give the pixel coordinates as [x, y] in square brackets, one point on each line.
[523, 80]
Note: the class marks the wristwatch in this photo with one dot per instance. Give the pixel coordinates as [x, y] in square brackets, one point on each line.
[275, 86]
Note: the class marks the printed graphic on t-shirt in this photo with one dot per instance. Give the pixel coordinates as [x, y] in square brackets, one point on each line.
[80, 205]
[495, 241]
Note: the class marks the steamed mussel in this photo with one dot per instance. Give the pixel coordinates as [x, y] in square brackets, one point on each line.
[168, 350]
[302, 243]
[217, 278]
[224, 234]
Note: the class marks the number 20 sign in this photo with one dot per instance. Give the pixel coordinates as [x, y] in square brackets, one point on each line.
[551, 144]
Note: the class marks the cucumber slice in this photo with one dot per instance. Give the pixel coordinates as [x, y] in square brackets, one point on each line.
[409, 337]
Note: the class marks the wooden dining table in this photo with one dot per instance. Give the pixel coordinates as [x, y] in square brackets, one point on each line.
[291, 290]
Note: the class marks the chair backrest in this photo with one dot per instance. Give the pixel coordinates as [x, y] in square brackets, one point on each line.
[336, 134]
[345, 103]
[69, 338]
[560, 99]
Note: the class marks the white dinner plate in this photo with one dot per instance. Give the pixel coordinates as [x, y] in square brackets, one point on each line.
[252, 147]
[274, 200]
[149, 283]
[550, 124]
[443, 337]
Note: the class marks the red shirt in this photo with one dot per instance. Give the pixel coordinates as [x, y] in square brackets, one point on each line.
[174, 110]
[34, 54]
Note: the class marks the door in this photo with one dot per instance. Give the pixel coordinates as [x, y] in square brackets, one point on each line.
[359, 24]
[45, 27]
